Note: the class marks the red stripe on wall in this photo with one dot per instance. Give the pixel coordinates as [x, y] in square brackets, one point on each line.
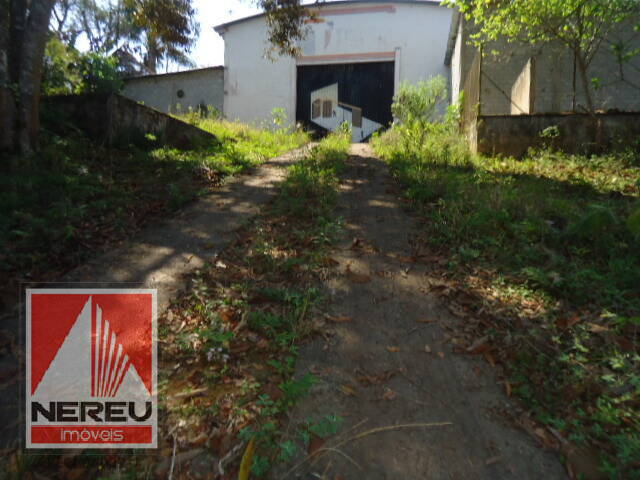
[354, 10]
[348, 56]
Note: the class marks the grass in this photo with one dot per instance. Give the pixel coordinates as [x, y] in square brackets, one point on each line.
[552, 243]
[229, 344]
[75, 196]
[247, 313]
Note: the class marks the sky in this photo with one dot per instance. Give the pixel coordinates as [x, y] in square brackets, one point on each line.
[209, 50]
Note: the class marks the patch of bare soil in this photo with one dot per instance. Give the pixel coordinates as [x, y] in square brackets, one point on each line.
[415, 404]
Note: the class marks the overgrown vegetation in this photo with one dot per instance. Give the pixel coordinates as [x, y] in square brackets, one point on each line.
[228, 345]
[547, 250]
[67, 71]
[240, 327]
[75, 196]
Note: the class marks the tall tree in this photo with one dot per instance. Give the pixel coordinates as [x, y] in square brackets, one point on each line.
[286, 21]
[580, 25]
[23, 36]
[168, 27]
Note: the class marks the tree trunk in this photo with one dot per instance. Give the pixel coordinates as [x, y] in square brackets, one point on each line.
[7, 114]
[30, 78]
[596, 133]
[586, 84]
[24, 28]
[152, 53]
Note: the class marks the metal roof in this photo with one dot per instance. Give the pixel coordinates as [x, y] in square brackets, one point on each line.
[222, 27]
[151, 75]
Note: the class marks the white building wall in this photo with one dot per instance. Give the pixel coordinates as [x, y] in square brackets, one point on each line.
[456, 66]
[253, 84]
[199, 87]
[414, 35]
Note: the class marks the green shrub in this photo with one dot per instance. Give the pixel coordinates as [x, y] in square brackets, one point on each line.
[99, 74]
[421, 101]
[60, 75]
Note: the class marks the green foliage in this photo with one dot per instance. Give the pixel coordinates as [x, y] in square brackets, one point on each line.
[154, 31]
[420, 102]
[250, 146]
[326, 426]
[310, 187]
[99, 74]
[560, 230]
[286, 25]
[60, 74]
[279, 117]
[633, 223]
[57, 207]
[580, 25]
[295, 389]
[541, 21]
[67, 71]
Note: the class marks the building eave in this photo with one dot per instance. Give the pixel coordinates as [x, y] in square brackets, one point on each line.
[223, 27]
[456, 18]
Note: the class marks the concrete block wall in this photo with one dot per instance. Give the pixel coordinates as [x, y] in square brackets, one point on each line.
[513, 135]
[114, 119]
[555, 84]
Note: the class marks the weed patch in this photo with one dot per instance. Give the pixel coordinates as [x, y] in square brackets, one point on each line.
[57, 207]
[540, 255]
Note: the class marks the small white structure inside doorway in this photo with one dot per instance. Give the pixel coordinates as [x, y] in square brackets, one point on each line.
[329, 113]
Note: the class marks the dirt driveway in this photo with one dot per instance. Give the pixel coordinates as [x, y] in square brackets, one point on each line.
[387, 364]
[161, 257]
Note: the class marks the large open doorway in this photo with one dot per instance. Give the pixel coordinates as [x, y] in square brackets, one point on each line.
[357, 93]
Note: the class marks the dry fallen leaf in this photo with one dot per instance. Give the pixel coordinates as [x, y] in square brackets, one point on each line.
[565, 323]
[329, 262]
[582, 463]
[595, 328]
[389, 394]
[347, 390]
[376, 379]
[393, 349]
[480, 346]
[220, 264]
[341, 319]
[226, 314]
[315, 444]
[356, 277]
[441, 354]
[247, 461]
[489, 358]
[427, 348]
[426, 320]
[359, 278]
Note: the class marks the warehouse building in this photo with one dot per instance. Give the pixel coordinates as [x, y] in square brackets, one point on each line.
[352, 61]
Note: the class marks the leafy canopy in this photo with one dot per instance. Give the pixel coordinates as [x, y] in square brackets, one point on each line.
[579, 24]
[582, 26]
